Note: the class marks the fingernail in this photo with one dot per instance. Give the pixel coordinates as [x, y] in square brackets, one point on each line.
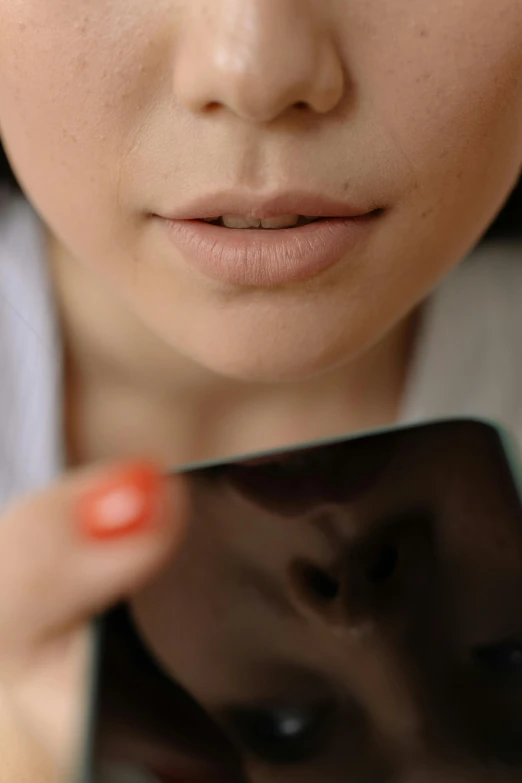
[124, 504]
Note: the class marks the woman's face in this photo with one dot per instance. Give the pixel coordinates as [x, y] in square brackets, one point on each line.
[116, 111]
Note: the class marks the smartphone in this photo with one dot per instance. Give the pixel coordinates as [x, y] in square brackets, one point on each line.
[347, 611]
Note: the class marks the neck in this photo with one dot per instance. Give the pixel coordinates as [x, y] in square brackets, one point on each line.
[130, 393]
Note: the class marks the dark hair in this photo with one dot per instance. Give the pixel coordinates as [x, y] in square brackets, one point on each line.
[6, 175]
[508, 224]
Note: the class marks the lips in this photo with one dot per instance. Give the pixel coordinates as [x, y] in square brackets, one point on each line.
[264, 207]
[263, 258]
[186, 776]
[171, 776]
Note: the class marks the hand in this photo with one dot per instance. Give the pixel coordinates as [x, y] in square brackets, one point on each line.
[66, 555]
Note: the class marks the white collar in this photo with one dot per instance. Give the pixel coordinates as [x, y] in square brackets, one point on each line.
[469, 353]
[31, 432]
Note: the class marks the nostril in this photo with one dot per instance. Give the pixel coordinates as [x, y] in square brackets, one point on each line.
[383, 565]
[317, 583]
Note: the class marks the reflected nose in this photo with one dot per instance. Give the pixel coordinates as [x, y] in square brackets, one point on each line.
[258, 59]
[389, 572]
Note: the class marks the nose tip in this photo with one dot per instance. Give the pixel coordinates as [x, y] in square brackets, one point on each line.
[258, 63]
[313, 83]
[391, 571]
[333, 596]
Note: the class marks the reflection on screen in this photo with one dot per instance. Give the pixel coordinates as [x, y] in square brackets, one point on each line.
[349, 613]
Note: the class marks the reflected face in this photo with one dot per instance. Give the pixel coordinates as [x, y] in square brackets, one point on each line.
[115, 112]
[346, 629]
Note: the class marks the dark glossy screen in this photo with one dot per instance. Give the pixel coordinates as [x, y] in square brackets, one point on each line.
[347, 613]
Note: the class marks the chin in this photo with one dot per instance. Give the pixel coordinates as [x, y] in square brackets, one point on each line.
[267, 365]
[272, 343]
[270, 374]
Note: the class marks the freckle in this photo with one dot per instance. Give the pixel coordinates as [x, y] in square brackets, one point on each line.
[424, 32]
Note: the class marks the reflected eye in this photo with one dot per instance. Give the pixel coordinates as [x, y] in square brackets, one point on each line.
[281, 735]
[503, 659]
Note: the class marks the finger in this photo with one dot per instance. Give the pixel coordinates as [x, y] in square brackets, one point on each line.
[76, 549]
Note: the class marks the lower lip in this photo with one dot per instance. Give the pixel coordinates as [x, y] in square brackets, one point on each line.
[170, 776]
[267, 257]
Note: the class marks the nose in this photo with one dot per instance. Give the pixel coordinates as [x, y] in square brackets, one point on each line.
[389, 572]
[257, 59]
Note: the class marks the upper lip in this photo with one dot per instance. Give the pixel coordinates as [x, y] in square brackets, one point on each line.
[264, 207]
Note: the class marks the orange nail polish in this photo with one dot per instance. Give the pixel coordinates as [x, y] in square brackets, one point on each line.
[125, 503]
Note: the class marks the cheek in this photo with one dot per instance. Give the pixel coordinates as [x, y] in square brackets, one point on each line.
[75, 83]
[448, 91]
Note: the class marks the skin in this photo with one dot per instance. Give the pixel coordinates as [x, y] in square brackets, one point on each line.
[112, 110]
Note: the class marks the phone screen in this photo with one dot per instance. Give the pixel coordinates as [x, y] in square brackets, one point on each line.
[346, 612]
